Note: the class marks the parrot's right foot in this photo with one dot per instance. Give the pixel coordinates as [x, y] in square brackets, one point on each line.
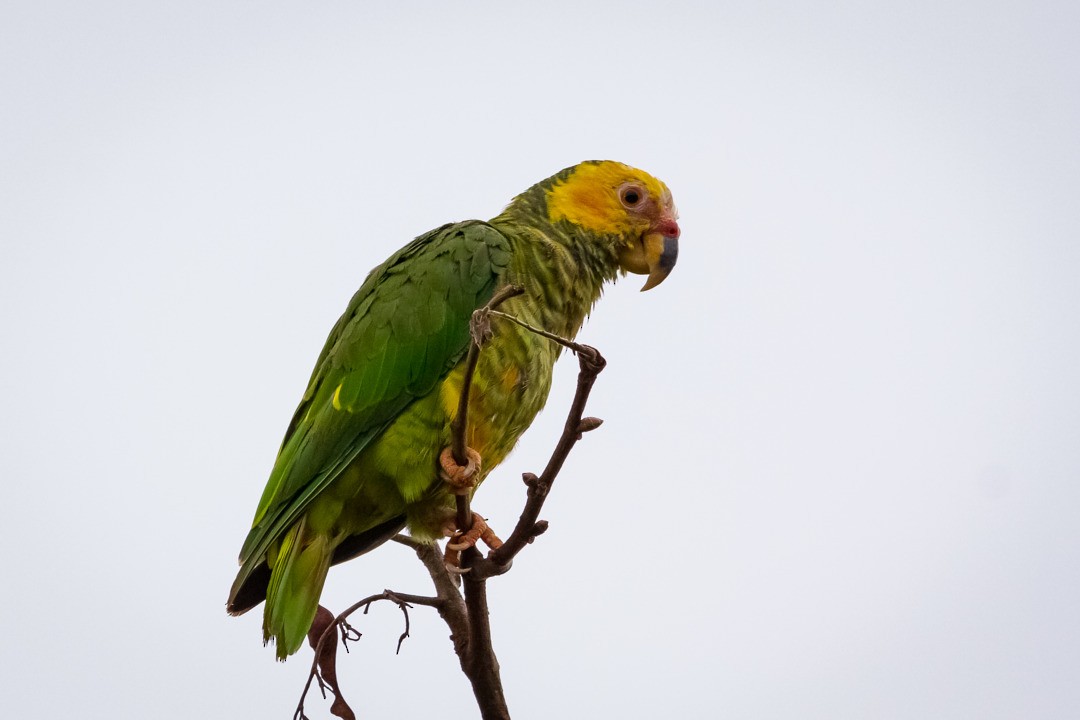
[461, 541]
[479, 532]
[461, 479]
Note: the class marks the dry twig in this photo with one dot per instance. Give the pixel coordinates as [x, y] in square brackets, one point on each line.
[323, 666]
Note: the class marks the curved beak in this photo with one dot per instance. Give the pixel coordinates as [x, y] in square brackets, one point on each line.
[654, 254]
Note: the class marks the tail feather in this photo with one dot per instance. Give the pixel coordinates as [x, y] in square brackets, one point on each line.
[296, 582]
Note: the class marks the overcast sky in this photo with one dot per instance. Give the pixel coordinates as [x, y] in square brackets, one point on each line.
[839, 475]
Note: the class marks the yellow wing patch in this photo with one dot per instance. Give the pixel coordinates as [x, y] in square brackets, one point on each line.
[510, 379]
[450, 391]
[336, 399]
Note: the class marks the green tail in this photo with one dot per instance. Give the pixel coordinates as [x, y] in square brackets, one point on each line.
[296, 581]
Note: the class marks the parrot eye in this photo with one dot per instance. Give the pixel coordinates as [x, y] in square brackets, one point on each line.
[631, 196]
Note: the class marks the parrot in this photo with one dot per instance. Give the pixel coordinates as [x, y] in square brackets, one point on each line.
[363, 457]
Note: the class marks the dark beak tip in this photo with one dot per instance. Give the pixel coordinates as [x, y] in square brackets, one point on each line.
[670, 254]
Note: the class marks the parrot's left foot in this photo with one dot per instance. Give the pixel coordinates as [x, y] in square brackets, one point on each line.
[460, 478]
[462, 541]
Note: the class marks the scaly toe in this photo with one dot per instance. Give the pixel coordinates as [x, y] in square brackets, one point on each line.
[479, 532]
[461, 479]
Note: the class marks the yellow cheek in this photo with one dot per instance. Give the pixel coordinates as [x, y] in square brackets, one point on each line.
[588, 197]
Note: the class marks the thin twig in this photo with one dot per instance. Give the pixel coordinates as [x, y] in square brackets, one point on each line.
[591, 363]
[576, 347]
[342, 709]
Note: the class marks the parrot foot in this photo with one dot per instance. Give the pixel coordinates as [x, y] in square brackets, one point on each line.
[460, 479]
[461, 541]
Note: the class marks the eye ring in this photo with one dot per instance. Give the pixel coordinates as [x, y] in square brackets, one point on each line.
[632, 195]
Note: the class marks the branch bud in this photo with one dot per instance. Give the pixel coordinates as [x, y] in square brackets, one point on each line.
[588, 424]
[539, 528]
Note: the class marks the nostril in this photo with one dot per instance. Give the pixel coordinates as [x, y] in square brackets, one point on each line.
[668, 228]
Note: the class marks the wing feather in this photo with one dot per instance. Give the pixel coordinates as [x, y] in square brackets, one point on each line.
[403, 331]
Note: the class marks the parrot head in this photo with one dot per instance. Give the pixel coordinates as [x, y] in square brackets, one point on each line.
[624, 206]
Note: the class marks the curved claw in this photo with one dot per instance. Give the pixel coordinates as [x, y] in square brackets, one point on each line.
[462, 541]
[461, 479]
[479, 532]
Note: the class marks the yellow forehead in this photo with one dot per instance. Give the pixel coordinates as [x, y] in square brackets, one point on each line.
[589, 196]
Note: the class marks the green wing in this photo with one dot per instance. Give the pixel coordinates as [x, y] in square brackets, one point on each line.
[404, 330]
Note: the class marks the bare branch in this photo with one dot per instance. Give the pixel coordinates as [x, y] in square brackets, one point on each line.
[591, 363]
[479, 662]
[466, 612]
[452, 605]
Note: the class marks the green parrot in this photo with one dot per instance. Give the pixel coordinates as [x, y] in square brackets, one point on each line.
[360, 458]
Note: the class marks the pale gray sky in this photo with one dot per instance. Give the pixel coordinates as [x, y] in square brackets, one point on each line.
[840, 472]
